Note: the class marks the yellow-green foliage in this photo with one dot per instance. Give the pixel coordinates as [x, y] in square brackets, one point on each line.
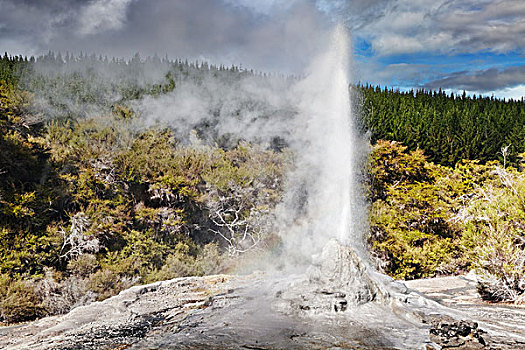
[29, 191]
[106, 205]
[494, 232]
[18, 300]
[427, 219]
[411, 204]
[180, 263]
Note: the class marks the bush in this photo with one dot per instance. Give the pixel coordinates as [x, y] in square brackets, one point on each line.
[106, 283]
[412, 200]
[18, 301]
[427, 220]
[208, 261]
[93, 205]
[60, 297]
[83, 266]
[494, 233]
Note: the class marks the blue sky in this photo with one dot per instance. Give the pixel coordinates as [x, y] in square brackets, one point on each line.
[473, 45]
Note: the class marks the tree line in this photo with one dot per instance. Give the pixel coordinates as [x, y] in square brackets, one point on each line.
[448, 127]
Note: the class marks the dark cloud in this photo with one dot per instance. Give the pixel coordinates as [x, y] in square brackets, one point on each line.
[26, 25]
[355, 13]
[482, 80]
[444, 26]
[276, 37]
[391, 26]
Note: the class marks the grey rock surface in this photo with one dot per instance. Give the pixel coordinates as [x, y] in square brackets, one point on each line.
[504, 324]
[338, 304]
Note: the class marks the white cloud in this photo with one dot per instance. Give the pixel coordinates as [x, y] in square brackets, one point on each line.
[392, 44]
[516, 92]
[262, 6]
[102, 15]
[491, 79]
[446, 27]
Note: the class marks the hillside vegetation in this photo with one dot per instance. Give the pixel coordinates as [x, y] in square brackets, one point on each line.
[449, 128]
[428, 219]
[94, 200]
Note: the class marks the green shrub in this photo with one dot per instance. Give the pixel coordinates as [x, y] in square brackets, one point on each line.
[427, 220]
[106, 283]
[83, 266]
[209, 261]
[494, 219]
[18, 301]
[93, 205]
[61, 294]
[411, 234]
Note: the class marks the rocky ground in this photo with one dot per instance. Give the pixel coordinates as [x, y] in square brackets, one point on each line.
[503, 322]
[337, 304]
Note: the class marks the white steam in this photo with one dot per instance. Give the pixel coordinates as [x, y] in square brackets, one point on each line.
[329, 158]
[314, 116]
[325, 104]
[102, 15]
[250, 108]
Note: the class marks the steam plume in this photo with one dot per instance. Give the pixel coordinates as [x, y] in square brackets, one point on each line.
[328, 148]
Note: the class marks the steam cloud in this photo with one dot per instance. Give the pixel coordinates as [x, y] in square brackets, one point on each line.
[312, 114]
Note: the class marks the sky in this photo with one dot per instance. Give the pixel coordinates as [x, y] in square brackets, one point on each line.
[472, 45]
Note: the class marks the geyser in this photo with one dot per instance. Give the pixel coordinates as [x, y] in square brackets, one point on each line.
[328, 157]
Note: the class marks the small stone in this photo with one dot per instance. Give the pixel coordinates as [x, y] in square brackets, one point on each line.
[450, 333]
[340, 305]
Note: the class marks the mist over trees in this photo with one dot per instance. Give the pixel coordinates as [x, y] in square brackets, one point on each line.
[100, 190]
[93, 201]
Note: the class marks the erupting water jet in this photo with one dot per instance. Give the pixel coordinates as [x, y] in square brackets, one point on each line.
[329, 151]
